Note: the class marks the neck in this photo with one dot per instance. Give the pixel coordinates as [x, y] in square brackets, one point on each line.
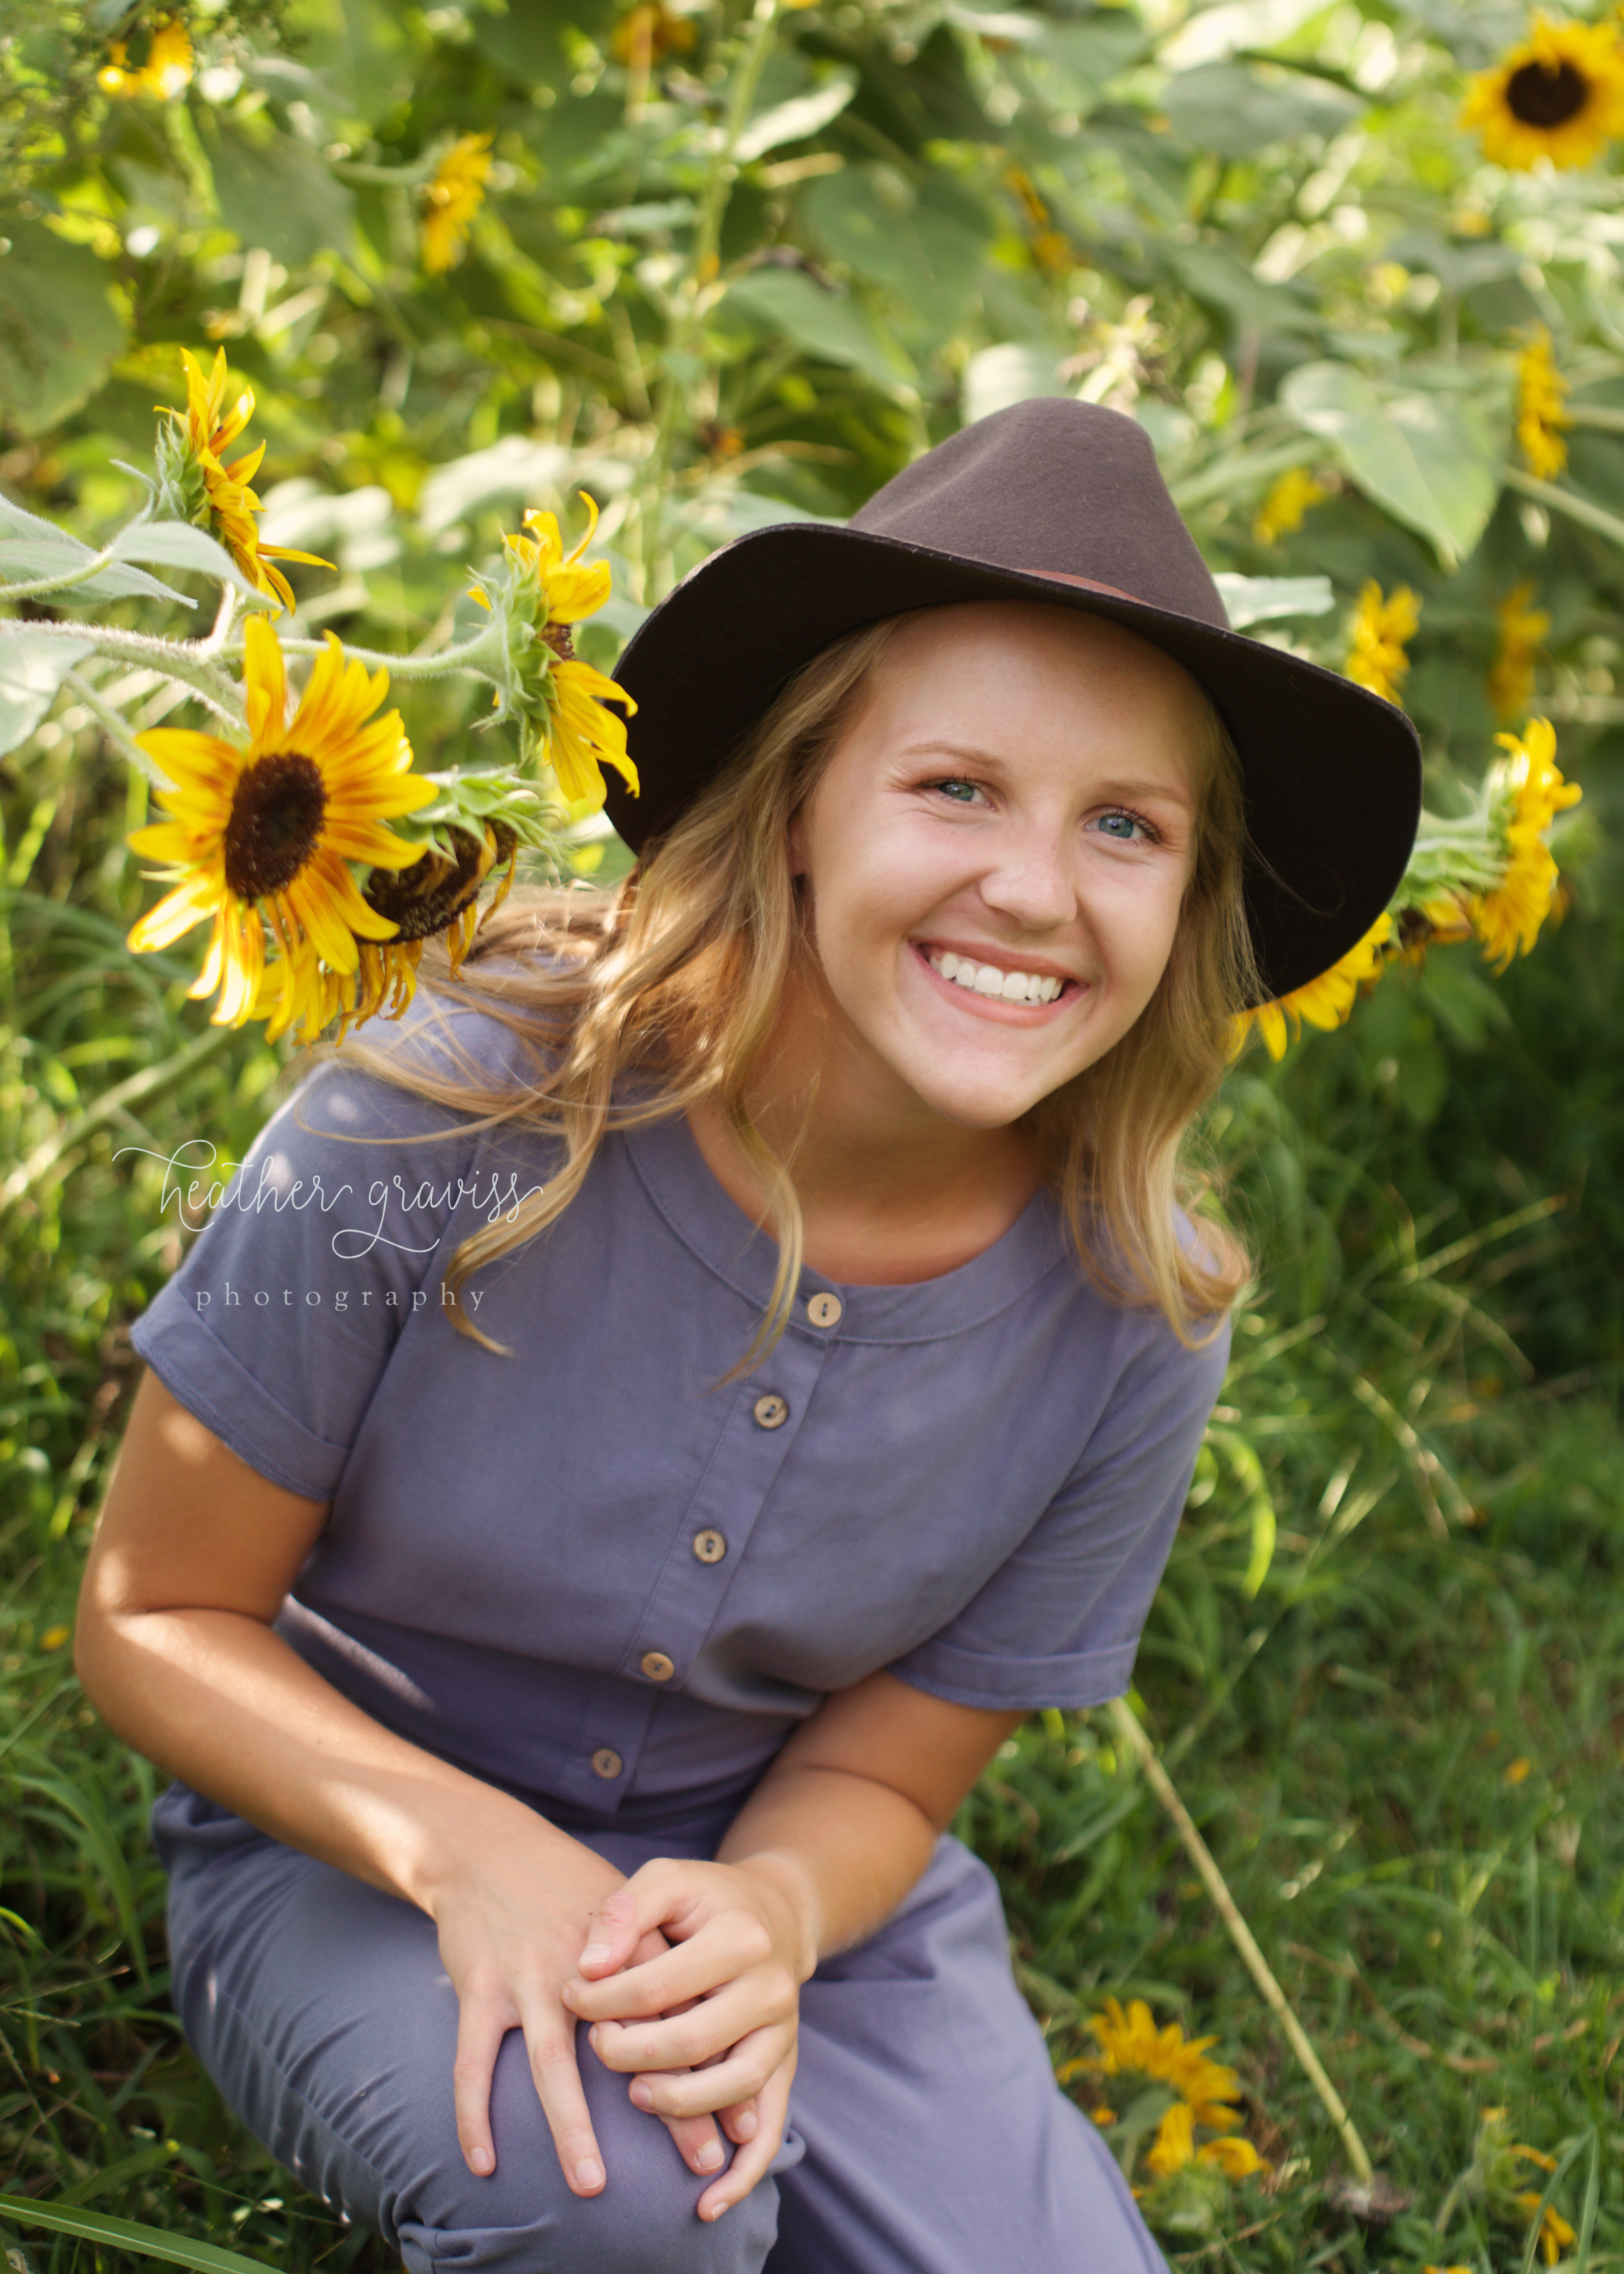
[890, 1190]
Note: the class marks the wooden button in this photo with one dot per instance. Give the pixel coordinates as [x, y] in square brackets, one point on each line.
[607, 1762]
[710, 1547]
[825, 1310]
[770, 1411]
[657, 1666]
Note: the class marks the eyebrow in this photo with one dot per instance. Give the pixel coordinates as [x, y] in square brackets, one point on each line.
[1122, 786]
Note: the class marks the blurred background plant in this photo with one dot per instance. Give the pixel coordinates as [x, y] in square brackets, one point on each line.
[1355, 268]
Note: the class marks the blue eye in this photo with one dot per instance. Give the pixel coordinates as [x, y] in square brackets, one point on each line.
[963, 791]
[1120, 825]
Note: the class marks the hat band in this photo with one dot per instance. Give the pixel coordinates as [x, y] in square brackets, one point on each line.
[1089, 583]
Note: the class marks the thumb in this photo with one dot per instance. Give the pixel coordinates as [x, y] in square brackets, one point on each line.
[615, 1931]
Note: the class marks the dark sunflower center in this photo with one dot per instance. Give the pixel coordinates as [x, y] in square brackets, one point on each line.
[433, 892]
[1539, 97]
[275, 824]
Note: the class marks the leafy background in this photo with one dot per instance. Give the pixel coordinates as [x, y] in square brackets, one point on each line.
[734, 268]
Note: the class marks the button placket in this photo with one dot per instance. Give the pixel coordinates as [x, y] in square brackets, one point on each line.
[713, 1538]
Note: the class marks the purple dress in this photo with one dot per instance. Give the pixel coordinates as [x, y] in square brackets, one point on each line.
[600, 1577]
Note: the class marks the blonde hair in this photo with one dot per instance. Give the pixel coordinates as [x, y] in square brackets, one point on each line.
[676, 979]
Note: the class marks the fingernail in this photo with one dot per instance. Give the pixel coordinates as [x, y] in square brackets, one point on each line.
[747, 2124]
[709, 2157]
[588, 2172]
[597, 1954]
[715, 2211]
[481, 2159]
[643, 2094]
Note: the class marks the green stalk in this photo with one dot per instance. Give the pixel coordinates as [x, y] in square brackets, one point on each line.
[175, 660]
[684, 339]
[1240, 473]
[1568, 501]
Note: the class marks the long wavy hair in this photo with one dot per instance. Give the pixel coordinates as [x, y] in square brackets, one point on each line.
[637, 1004]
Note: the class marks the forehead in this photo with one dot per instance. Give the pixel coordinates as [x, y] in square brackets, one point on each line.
[1034, 669]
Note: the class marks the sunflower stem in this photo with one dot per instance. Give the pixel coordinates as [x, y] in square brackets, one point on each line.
[489, 643]
[1202, 1856]
[1568, 501]
[1240, 473]
[183, 661]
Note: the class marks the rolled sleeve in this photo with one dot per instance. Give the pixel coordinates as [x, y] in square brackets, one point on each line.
[332, 1234]
[1058, 1624]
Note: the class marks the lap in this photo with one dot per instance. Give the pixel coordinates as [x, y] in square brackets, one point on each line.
[927, 2135]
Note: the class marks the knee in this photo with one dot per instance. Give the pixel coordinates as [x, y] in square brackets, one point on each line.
[634, 2227]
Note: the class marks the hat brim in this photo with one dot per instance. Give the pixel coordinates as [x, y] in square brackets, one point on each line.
[1333, 774]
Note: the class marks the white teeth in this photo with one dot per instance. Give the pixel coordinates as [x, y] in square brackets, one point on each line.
[986, 979]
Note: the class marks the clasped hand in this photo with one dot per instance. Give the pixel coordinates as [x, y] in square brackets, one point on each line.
[689, 1976]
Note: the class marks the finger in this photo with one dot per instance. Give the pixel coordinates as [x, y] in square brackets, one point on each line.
[698, 2142]
[741, 2122]
[724, 1949]
[646, 1901]
[750, 2162]
[482, 2024]
[720, 2084]
[550, 2041]
[706, 2031]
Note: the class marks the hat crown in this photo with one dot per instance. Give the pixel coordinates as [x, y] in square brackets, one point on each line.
[1056, 488]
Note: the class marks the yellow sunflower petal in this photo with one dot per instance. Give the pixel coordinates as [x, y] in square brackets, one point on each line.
[195, 897]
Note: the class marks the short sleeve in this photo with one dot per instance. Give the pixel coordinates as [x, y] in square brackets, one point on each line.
[1058, 1623]
[329, 1237]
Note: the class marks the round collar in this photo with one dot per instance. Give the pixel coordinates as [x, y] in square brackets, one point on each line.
[727, 1242]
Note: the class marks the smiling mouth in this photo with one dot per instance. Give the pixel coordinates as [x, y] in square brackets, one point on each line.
[991, 982]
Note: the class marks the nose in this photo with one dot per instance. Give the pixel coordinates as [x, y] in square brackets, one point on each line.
[1030, 882]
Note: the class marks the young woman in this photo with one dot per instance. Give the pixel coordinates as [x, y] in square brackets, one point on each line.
[574, 1647]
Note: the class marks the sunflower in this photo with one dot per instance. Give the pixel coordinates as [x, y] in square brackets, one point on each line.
[1376, 657]
[650, 32]
[1555, 2234]
[1531, 793]
[1325, 1002]
[1280, 513]
[1559, 95]
[214, 496]
[1540, 414]
[1134, 2053]
[561, 699]
[1522, 628]
[262, 836]
[166, 71]
[452, 197]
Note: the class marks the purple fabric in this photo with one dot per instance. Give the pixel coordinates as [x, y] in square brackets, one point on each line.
[976, 1485]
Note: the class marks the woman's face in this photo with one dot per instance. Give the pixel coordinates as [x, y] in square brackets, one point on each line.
[995, 855]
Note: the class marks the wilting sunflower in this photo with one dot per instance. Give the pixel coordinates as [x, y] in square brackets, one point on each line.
[452, 197]
[214, 496]
[1282, 511]
[1522, 628]
[1134, 2054]
[1325, 1002]
[1559, 95]
[561, 699]
[1376, 657]
[1540, 413]
[1530, 792]
[261, 837]
[164, 74]
[649, 33]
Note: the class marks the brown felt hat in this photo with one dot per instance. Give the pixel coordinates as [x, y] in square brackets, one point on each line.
[1062, 501]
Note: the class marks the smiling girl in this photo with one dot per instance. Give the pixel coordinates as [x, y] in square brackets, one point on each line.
[571, 1703]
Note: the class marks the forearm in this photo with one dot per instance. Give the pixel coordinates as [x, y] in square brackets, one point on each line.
[219, 1699]
[844, 1847]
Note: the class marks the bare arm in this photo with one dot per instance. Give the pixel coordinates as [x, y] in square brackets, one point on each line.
[194, 1556]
